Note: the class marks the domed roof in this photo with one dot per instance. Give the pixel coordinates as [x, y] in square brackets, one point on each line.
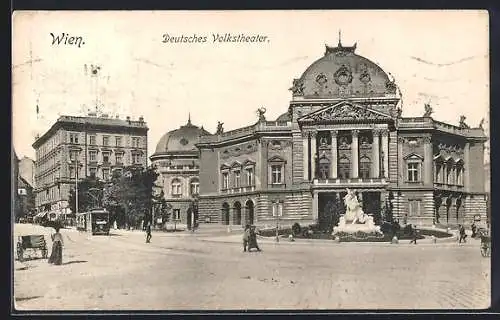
[285, 117]
[182, 139]
[341, 73]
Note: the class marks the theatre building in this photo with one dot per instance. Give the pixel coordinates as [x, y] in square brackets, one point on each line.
[343, 129]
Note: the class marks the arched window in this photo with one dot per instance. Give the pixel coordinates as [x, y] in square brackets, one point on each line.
[344, 168]
[176, 187]
[324, 168]
[364, 167]
[194, 186]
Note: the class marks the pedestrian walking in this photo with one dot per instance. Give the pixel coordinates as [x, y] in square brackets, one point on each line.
[474, 229]
[415, 235]
[462, 236]
[57, 245]
[252, 240]
[148, 232]
[246, 237]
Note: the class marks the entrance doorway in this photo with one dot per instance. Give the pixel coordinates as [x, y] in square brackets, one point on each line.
[225, 213]
[237, 213]
[249, 217]
[328, 210]
[372, 205]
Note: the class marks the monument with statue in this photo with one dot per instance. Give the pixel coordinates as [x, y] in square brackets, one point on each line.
[355, 224]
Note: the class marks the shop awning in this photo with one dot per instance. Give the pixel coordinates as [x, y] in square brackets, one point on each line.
[41, 214]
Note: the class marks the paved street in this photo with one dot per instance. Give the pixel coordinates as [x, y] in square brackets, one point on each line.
[195, 271]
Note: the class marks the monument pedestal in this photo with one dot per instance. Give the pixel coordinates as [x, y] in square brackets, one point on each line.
[346, 230]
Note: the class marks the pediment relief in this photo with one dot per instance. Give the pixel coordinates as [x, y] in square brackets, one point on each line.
[413, 156]
[344, 111]
[276, 159]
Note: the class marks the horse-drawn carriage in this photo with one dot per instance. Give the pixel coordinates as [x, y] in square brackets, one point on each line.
[32, 242]
[485, 242]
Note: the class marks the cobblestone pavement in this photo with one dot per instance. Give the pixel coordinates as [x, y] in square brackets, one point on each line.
[189, 271]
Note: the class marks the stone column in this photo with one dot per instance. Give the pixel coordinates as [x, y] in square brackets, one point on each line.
[466, 172]
[333, 161]
[385, 150]
[428, 165]
[313, 154]
[305, 154]
[354, 154]
[376, 154]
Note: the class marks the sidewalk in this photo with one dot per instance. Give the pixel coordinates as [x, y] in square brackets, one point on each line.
[237, 238]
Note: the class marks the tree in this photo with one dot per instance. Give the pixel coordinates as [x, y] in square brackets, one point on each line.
[86, 194]
[133, 192]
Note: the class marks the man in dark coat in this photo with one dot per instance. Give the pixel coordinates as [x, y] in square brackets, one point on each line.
[461, 230]
[252, 240]
[148, 232]
[414, 234]
[246, 236]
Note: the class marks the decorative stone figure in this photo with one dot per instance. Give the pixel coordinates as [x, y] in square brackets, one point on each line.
[220, 129]
[428, 110]
[355, 223]
[462, 123]
[354, 212]
[481, 123]
[298, 87]
[260, 113]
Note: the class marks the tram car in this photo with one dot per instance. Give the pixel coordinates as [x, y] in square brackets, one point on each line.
[96, 221]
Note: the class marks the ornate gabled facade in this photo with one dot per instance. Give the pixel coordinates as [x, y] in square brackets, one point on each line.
[343, 129]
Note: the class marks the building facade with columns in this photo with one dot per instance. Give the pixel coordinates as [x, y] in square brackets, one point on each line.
[343, 129]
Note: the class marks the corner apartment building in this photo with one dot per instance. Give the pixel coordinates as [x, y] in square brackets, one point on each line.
[77, 147]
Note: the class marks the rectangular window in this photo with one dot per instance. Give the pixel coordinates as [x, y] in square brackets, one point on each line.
[93, 172]
[364, 170]
[344, 171]
[73, 155]
[136, 158]
[413, 170]
[249, 176]
[105, 140]
[414, 207]
[92, 139]
[105, 174]
[276, 174]
[195, 188]
[277, 209]
[237, 179]
[105, 157]
[119, 158]
[177, 214]
[135, 142]
[118, 141]
[73, 138]
[93, 155]
[225, 180]
[72, 172]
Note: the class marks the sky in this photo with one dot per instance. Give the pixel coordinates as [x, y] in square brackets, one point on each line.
[436, 57]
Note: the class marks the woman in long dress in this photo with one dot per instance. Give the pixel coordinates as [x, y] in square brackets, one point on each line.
[57, 244]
